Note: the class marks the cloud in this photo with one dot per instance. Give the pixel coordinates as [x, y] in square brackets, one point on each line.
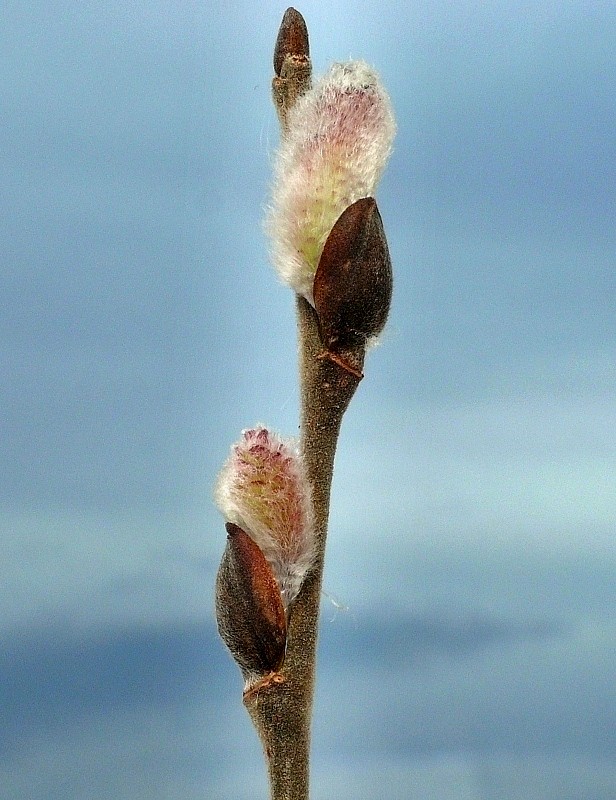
[468, 777]
[417, 705]
[531, 689]
[94, 572]
[534, 467]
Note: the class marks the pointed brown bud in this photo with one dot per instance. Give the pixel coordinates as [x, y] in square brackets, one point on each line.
[353, 282]
[292, 39]
[249, 609]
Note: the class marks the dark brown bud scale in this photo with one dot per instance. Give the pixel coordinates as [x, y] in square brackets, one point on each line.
[353, 282]
[292, 39]
[249, 610]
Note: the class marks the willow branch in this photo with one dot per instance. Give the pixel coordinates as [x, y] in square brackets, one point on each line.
[330, 247]
[281, 710]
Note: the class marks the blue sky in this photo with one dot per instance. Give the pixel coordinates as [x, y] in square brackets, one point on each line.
[468, 636]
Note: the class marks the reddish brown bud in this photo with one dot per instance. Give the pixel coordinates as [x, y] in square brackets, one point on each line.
[249, 609]
[292, 39]
[353, 282]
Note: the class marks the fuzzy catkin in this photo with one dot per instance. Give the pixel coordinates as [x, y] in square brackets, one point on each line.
[263, 489]
[338, 141]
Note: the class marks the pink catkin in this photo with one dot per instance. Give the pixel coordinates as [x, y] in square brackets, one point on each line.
[338, 142]
[262, 488]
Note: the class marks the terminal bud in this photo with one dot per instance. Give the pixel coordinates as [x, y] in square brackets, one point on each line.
[292, 39]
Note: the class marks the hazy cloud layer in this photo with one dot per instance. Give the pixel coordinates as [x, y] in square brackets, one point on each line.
[157, 711]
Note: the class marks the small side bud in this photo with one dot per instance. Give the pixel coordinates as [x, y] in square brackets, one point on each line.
[292, 39]
[353, 282]
[249, 610]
